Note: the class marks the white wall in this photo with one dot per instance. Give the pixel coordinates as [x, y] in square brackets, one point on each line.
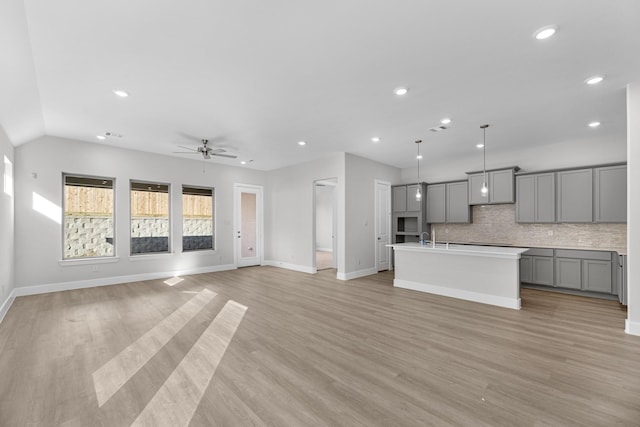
[361, 174]
[38, 168]
[633, 208]
[575, 153]
[6, 227]
[325, 195]
[289, 205]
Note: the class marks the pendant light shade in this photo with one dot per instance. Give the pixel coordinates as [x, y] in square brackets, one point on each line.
[418, 192]
[484, 191]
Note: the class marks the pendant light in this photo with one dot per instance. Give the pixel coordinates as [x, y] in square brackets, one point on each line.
[485, 189]
[418, 192]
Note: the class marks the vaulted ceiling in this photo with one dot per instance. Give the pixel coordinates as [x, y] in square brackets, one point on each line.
[256, 77]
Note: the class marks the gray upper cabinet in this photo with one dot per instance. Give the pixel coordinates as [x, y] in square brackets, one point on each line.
[500, 184]
[457, 195]
[448, 203]
[436, 203]
[413, 205]
[575, 195]
[400, 198]
[610, 194]
[536, 198]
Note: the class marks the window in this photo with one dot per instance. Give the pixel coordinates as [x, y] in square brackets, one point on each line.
[88, 217]
[197, 218]
[149, 217]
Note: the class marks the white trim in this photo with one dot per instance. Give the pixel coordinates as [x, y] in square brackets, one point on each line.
[87, 261]
[324, 249]
[632, 328]
[149, 256]
[294, 267]
[356, 274]
[6, 305]
[81, 284]
[513, 303]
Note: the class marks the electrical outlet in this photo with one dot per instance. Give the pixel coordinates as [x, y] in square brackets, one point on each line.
[550, 232]
[95, 268]
[446, 231]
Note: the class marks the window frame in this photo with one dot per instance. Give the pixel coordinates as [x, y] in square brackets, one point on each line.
[213, 217]
[104, 258]
[169, 218]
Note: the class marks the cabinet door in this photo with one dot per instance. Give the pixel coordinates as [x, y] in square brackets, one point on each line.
[525, 198]
[475, 185]
[545, 197]
[568, 273]
[413, 205]
[457, 195]
[575, 196]
[400, 198]
[501, 186]
[610, 194]
[542, 270]
[596, 275]
[526, 275]
[436, 204]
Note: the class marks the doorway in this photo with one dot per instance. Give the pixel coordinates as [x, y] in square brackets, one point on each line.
[382, 218]
[325, 247]
[248, 225]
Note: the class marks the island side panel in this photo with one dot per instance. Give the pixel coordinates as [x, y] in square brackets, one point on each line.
[488, 280]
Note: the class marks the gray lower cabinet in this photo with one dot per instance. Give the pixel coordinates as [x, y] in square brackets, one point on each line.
[610, 194]
[536, 266]
[575, 195]
[536, 198]
[500, 184]
[585, 270]
[542, 269]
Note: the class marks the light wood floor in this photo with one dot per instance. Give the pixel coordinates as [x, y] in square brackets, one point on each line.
[311, 350]
[324, 260]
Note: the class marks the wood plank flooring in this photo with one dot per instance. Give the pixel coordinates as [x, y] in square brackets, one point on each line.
[314, 351]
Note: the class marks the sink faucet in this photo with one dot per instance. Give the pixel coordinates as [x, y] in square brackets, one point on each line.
[423, 241]
[433, 240]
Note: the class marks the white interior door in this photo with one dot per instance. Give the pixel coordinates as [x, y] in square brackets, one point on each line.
[383, 224]
[248, 225]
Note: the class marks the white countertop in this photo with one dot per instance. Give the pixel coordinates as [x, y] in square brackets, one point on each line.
[454, 249]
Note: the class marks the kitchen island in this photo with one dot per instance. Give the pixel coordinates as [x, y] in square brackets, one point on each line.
[486, 274]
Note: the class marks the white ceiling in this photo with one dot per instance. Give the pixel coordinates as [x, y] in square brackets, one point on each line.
[257, 76]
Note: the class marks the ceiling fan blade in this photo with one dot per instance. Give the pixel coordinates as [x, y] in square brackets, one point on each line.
[218, 150]
[231, 156]
[185, 152]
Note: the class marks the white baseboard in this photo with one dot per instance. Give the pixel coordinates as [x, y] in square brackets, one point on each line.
[92, 283]
[294, 267]
[324, 249]
[632, 328]
[6, 305]
[356, 274]
[513, 303]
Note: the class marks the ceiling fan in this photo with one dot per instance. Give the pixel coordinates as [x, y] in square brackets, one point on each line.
[206, 151]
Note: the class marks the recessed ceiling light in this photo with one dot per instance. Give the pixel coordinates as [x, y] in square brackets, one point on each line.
[545, 32]
[401, 91]
[481, 145]
[301, 143]
[121, 93]
[419, 156]
[594, 124]
[375, 139]
[101, 137]
[445, 121]
[594, 80]
[243, 162]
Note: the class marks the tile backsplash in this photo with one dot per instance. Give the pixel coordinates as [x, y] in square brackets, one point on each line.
[496, 224]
